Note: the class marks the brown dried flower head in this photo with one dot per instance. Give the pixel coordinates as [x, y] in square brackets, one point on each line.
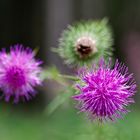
[85, 46]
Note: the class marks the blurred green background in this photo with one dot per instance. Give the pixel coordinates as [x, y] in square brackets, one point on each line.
[64, 124]
[39, 23]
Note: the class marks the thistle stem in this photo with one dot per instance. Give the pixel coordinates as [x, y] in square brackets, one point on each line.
[74, 78]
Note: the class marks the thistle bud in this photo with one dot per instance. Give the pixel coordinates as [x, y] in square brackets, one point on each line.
[85, 42]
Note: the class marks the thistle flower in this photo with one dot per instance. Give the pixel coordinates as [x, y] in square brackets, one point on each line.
[19, 73]
[105, 92]
[85, 42]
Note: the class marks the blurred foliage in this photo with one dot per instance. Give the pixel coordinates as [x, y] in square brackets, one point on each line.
[61, 98]
[65, 124]
[64, 93]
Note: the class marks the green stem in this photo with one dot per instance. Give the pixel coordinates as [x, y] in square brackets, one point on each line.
[69, 77]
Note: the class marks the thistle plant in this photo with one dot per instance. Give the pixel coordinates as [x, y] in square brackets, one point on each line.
[100, 89]
[103, 92]
[85, 42]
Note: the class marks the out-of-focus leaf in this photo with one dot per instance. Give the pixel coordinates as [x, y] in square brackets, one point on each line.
[59, 100]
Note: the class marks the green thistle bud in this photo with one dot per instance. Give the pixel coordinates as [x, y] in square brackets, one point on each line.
[85, 42]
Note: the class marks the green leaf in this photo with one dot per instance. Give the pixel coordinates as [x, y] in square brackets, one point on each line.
[63, 96]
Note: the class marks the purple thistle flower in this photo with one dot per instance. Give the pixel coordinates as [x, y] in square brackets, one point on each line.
[19, 73]
[105, 92]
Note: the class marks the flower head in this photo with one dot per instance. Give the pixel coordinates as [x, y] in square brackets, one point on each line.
[105, 92]
[85, 42]
[19, 73]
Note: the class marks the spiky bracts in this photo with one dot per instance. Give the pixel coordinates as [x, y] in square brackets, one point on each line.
[86, 41]
[104, 92]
